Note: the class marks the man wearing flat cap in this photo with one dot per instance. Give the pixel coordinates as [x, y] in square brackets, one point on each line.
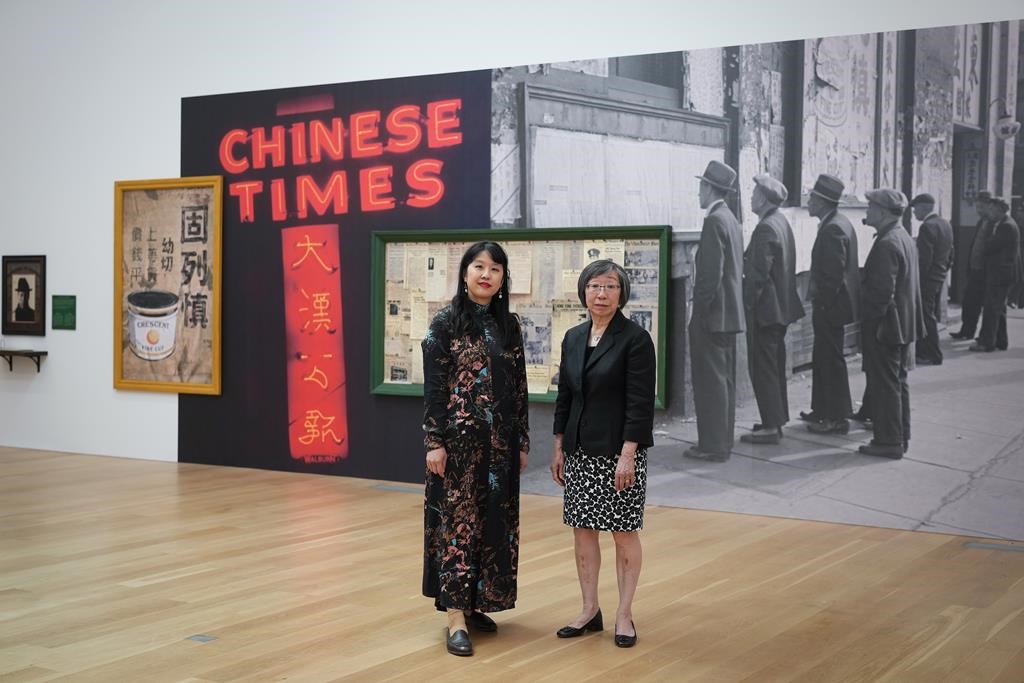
[23, 312]
[717, 317]
[772, 304]
[1002, 269]
[892, 318]
[974, 292]
[834, 291]
[934, 258]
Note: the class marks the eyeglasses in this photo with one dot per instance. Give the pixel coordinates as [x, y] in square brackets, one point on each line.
[594, 288]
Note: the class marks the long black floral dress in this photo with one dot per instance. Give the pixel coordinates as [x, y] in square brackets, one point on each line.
[475, 406]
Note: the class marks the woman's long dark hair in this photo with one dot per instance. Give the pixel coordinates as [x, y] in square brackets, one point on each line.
[462, 319]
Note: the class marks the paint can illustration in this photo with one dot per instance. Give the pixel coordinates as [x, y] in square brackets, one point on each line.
[152, 322]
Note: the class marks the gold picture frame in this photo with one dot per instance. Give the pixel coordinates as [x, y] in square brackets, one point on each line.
[167, 284]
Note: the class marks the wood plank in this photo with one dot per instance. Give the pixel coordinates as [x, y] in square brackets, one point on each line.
[108, 567]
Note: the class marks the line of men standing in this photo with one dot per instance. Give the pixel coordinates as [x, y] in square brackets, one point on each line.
[994, 265]
[755, 292]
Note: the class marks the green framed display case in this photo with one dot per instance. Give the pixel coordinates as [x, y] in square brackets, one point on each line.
[415, 273]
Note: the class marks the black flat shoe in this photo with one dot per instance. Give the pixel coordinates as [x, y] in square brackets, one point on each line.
[459, 644]
[892, 452]
[772, 435]
[626, 641]
[596, 623]
[698, 454]
[481, 622]
[829, 427]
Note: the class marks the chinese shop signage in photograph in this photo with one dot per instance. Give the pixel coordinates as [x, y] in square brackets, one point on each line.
[167, 285]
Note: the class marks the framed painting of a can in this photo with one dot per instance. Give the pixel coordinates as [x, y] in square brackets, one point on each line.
[167, 284]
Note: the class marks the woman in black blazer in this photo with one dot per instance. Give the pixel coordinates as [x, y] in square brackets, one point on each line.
[604, 421]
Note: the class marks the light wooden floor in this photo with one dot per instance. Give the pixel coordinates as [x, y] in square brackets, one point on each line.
[109, 566]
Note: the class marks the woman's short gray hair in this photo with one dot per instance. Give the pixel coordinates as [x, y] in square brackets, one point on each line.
[603, 267]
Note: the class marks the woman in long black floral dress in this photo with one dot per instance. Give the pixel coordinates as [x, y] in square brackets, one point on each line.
[476, 436]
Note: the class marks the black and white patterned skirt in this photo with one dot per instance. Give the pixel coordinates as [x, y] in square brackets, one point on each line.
[591, 501]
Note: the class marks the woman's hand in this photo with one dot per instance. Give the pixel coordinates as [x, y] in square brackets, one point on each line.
[625, 471]
[523, 458]
[558, 466]
[436, 460]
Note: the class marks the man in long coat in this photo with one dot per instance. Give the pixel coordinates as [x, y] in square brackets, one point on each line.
[717, 317]
[1002, 269]
[974, 292]
[772, 304]
[935, 257]
[834, 292]
[893, 319]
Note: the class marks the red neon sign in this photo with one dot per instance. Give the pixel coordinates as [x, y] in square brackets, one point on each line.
[314, 343]
[366, 134]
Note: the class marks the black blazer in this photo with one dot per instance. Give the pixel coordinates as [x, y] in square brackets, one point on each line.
[934, 250]
[835, 273]
[611, 400]
[769, 273]
[892, 288]
[1001, 253]
[718, 273]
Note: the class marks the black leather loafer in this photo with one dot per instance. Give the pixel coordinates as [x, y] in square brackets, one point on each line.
[596, 623]
[626, 641]
[481, 622]
[771, 435]
[884, 450]
[860, 416]
[459, 644]
[698, 454]
[829, 427]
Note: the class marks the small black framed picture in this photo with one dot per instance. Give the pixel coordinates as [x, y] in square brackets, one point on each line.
[24, 296]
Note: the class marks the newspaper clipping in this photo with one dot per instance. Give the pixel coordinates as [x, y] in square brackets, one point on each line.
[420, 279]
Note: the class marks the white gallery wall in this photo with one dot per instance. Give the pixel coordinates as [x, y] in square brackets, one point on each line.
[90, 93]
